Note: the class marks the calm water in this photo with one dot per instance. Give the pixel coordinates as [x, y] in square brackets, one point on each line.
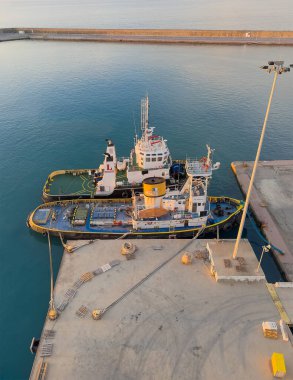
[186, 14]
[60, 101]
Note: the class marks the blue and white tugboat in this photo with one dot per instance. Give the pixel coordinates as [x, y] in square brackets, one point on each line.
[155, 212]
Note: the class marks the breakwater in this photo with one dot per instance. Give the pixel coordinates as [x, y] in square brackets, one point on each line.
[232, 37]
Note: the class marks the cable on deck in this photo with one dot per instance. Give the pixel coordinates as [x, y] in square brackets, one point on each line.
[153, 272]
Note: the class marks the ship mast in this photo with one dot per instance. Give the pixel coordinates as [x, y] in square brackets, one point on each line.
[145, 117]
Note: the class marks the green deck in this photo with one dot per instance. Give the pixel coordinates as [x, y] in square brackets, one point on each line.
[79, 184]
[70, 184]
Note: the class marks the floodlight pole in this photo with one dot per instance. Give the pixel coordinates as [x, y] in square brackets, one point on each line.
[52, 313]
[278, 69]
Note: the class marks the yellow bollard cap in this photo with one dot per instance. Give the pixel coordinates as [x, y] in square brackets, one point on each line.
[52, 314]
[186, 259]
[96, 314]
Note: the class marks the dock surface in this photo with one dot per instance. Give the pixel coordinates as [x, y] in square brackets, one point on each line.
[180, 323]
[272, 204]
[174, 36]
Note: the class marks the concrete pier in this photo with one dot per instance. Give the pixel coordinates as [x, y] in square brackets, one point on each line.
[272, 204]
[181, 36]
[176, 322]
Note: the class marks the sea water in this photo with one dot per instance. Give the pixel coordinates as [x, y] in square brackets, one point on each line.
[59, 102]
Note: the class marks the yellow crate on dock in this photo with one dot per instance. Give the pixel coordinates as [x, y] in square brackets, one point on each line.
[278, 365]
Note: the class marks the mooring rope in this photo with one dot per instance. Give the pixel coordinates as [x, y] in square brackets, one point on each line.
[252, 221]
[123, 236]
[72, 248]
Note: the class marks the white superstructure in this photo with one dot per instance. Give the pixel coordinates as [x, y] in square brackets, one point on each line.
[161, 208]
[150, 156]
[107, 184]
[202, 167]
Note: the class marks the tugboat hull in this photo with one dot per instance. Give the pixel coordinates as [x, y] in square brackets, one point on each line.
[231, 207]
[78, 184]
